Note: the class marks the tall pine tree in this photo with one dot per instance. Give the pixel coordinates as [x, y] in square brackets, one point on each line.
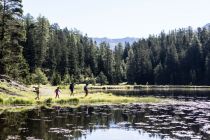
[12, 37]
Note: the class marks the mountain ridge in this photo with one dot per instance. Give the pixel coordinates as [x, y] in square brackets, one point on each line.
[207, 26]
[114, 41]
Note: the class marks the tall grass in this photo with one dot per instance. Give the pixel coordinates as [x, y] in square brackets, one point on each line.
[109, 98]
[71, 101]
[47, 97]
[1, 101]
[17, 101]
[48, 101]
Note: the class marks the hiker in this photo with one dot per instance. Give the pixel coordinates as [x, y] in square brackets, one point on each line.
[57, 91]
[86, 89]
[37, 93]
[71, 87]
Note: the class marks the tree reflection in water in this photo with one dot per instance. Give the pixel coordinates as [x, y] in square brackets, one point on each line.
[148, 121]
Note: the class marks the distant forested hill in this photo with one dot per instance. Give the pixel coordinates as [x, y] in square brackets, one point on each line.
[114, 42]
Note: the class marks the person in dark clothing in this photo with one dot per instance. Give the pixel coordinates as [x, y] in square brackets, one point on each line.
[57, 91]
[71, 87]
[86, 89]
[37, 93]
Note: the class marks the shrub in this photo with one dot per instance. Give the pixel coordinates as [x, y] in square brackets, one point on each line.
[48, 101]
[1, 101]
[102, 79]
[91, 80]
[56, 79]
[66, 79]
[63, 87]
[17, 101]
[68, 101]
[61, 101]
[39, 77]
[73, 101]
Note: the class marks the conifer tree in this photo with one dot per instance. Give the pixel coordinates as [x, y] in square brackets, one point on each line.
[41, 37]
[12, 37]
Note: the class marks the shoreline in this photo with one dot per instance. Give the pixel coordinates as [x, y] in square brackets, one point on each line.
[77, 100]
[20, 108]
[133, 87]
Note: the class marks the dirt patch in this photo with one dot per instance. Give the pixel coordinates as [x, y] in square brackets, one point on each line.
[16, 84]
[3, 90]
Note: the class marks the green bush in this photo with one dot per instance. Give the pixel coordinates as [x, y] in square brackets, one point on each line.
[17, 101]
[9, 100]
[63, 87]
[92, 80]
[61, 101]
[66, 79]
[68, 101]
[21, 101]
[81, 78]
[48, 101]
[1, 101]
[39, 77]
[73, 101]
[56, 79]
[101, 78]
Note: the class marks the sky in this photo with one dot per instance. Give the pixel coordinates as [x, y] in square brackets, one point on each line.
[122, 18]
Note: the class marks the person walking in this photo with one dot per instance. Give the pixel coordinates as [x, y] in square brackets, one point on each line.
[37, 92]
[71, 87]
[86, 89]
[57, 91]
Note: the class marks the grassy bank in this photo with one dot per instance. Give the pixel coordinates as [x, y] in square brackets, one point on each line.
[11, 96]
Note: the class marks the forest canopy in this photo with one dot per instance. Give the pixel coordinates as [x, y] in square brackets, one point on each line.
[32, 46]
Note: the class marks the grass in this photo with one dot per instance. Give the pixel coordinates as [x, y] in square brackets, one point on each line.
[1, 101]
[22, 98]
[48, 101]
[80, 99]
[15, 96]
[17, 101]
[110, 98]
[71, 101]
[16, 108]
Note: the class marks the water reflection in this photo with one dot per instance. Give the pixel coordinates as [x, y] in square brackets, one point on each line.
[68, 123]
[119, 134]
[178, 94]
[139, 121]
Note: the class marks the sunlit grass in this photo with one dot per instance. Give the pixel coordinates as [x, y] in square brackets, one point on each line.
[47, 97]
[16, 108]
[110, 98]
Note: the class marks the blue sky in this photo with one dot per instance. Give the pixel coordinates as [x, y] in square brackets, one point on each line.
[122, 18]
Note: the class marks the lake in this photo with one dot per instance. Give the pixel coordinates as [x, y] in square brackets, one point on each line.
[195, 94]
[188, 117]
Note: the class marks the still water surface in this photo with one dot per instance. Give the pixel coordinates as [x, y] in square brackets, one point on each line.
[198, 94]
[183, 120]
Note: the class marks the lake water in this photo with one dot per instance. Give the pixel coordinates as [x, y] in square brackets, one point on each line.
[185, 120]
[198, 94]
